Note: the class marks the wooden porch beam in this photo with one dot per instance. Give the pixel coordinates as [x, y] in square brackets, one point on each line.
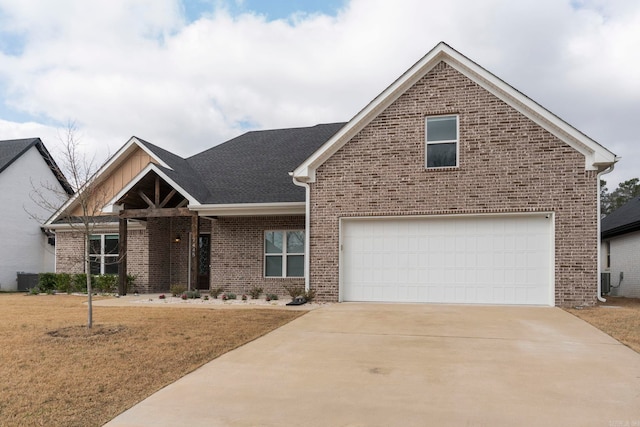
[183, 203]
[166, 199]
[194, 253]
[155, 213]
[146, 199]
[157, 204]
[122, 256]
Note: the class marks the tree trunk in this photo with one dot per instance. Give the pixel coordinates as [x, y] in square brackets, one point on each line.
[87, 269]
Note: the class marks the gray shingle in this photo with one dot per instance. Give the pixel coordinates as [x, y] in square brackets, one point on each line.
[254, 167]
[623, 220]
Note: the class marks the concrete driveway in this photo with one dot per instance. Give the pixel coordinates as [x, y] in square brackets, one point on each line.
[411, 365]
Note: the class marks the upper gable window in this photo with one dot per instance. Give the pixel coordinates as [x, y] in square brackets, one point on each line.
[442, 142]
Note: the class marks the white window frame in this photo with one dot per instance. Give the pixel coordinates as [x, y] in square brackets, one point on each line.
[456, 141]
[284, 254]
[102, 256]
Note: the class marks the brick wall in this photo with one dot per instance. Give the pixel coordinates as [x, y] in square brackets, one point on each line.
[507, 163]
[70, 254]
[237, 258]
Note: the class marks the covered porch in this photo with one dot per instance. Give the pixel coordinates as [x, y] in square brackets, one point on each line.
[178, 240]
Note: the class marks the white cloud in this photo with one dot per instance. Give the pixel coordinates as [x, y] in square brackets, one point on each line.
[124, 67]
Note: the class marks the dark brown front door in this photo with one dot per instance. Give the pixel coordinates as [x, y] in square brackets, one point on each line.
[204, 246]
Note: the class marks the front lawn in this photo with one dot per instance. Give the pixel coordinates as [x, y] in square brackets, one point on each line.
[618, 317]
[52, 372]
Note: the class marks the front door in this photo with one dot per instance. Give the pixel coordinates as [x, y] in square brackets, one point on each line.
[204, 253]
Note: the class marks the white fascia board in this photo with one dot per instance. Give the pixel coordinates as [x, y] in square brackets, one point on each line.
[596, 156]
[250, 209]
[97, 228]
[306, 171]
[109, 207]
[113, 162]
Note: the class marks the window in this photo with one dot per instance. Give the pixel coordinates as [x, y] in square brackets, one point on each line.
[441, 149]
[103, 254]
[284, 253]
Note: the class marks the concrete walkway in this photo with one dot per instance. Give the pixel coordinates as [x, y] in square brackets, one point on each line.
[411, 365]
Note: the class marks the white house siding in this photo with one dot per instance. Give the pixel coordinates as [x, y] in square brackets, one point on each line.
[24, 247]
[625, 258]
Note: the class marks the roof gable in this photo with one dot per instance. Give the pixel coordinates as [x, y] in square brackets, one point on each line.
[596, 156]
[11, 150]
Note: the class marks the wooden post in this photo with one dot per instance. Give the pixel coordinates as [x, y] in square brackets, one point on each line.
[194, 253]
[122, 256]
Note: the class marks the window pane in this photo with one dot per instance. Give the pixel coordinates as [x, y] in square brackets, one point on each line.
[441, 155]
[295, 266]
[295, 242]
[273, 242]
[94, 265]
[111, 244]
[110, 265]
[273, 266]
[441, 129]
[95, 245]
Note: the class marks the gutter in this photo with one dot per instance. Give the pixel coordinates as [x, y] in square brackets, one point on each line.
[307, 229]
[599, 260]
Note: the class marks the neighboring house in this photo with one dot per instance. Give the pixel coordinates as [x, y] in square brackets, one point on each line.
[450, 186]
[26, 166]
[621, 249]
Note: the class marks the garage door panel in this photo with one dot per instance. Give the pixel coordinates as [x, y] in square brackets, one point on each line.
[504, 259]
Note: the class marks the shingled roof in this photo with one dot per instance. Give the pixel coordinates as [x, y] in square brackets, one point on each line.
[625, 219]
[11, 150]
[254, 167]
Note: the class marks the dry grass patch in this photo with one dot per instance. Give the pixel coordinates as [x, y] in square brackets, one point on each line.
[618, 317]
[54, 372]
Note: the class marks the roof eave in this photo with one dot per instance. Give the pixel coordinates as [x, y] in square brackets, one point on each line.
[250, 209]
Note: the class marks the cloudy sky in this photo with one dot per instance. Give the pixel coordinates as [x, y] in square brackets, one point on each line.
[189, 74]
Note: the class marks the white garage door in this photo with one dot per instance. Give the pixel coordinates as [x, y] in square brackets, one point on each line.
[483, 259]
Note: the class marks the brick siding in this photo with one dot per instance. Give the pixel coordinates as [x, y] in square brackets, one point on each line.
[507, 163]
[237, 256]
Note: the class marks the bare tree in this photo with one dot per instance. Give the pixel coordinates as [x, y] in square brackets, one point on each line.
[81, 210]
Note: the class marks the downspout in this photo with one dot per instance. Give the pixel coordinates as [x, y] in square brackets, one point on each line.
[307, 228]
[599, 260]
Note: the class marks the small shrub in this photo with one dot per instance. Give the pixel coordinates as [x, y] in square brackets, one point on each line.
[34, 291]
[192, 294]
[244, 297]
[46, 282]
[294, 290]
[162, 296]
[310, 295]
[255, 292]
[216, 291]
[231, 295]
[63, 283]
[106, 283]
[131, 283]
[79, 282]
[177, 289]
[206, 298]
[183, 296]
[272, 297]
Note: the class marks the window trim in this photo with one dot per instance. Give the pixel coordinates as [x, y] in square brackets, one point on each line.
[284, 254]
[102, 256]
[456, 141]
